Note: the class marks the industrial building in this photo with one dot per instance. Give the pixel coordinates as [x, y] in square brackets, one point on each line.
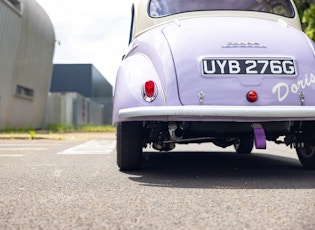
[79, 95]
[27, 43]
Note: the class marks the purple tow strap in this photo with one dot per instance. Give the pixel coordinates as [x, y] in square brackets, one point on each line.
[259, 135]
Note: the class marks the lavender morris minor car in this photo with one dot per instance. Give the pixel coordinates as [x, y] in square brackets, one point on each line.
[230, 72]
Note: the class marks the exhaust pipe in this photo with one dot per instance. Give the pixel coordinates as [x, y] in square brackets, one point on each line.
[176, 133]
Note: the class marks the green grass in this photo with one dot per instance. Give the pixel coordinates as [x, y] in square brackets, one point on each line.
[13, 130]
[86, 128]
[60, 128]
[89, 128]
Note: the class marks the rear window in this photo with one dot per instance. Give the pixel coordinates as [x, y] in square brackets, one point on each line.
[161, 8]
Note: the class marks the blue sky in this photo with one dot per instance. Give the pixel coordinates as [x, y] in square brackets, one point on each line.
[94, 31]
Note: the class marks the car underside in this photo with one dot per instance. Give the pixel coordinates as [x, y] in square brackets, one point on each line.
[163, 136]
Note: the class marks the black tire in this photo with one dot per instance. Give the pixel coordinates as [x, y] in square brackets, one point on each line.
[244, 146]
[306, 156]
[129, 145]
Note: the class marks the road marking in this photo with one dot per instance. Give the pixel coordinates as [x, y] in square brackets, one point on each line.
[11, 155]
[94, 147]
[23, 149]
[31, 144]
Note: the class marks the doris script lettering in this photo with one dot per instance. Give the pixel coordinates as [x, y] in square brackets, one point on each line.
[283, 89]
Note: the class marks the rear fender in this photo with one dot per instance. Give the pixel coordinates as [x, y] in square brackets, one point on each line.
[131, 77]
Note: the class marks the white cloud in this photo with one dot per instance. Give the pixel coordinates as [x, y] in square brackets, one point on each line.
[94, 31]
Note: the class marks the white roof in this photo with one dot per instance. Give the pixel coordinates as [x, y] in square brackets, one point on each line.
[144, 22]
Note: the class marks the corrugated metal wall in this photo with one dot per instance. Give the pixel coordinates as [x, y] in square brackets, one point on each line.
[73, 109]
[27, 44]
[86, 80]
[10, 29]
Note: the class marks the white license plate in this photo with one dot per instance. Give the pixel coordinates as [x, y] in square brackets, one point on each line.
[261, 66]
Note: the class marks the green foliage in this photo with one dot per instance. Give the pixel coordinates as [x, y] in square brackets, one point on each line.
[87, 128]
[91, 128]
[13, 130]
[302, 5]
[306, 11]
[59, 127]
[309, 19]
[30, 131]
[32, 134]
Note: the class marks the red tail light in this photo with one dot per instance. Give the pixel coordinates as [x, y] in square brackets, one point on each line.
[252, 96]
[149, 91]
[149, 88]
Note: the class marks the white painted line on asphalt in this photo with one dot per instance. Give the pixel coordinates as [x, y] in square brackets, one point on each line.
[23, 149]
[25, 146]
[11, 155]
[94, 147]
[31, 144]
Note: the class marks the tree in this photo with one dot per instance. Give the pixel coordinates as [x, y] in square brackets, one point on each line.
[309, 19]
[302, 5]
[306, 9]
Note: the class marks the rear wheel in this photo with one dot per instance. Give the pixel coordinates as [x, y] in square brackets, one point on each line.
[306, 156]
[129, 145]
[244, 146]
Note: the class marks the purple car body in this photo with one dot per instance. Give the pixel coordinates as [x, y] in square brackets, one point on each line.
[228, 72]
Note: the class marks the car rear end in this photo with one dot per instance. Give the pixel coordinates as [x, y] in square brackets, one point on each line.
[239, 77]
